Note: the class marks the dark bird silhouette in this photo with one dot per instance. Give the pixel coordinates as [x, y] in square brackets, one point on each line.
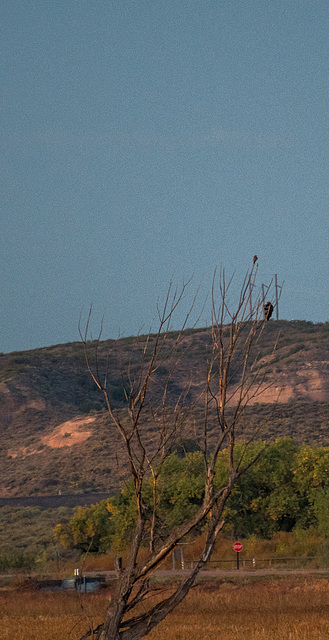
[255, 259]
[268, 310]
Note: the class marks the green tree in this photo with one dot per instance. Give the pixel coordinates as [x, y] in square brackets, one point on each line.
[321, 510]
[180, 488]
[311, 479]
[286, 488]
[264, 500]
[90, 529]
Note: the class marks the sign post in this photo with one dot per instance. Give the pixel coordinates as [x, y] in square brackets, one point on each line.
[237, 547]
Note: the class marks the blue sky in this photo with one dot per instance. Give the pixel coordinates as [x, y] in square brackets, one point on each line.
[143, 141]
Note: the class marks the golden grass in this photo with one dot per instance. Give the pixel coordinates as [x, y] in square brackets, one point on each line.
[36, 615]
[273, 610]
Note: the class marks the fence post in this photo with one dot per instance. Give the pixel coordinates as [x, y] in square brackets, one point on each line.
[118, 564]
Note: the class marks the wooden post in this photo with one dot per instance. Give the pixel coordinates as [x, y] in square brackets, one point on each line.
[118, 565]
[250, 298]
[276, 296]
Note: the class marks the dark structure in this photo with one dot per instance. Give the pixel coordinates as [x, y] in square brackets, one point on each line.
[255, 259]
[268, 310]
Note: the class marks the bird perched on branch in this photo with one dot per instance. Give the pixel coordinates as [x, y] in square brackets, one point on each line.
[268, 310]
[255, 259]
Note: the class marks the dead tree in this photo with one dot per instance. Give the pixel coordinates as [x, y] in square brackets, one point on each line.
[233, 379]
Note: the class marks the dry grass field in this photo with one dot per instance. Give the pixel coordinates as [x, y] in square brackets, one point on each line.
[286, 608]
[269, 610]
[36, 615]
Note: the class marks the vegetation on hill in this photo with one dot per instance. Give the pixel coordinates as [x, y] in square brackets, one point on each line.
[26, 536]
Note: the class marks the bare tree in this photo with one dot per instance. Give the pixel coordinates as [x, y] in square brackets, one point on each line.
[234, 377]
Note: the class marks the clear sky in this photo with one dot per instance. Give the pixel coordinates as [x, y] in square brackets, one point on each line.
[145, 140]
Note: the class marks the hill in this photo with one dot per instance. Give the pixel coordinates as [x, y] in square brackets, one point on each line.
[54, 427]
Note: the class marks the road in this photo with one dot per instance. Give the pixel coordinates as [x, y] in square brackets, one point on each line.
[211, 574]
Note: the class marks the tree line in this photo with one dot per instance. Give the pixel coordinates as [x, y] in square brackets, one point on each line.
[287, 488]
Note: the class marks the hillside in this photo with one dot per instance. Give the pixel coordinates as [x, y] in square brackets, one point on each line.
[55, 431]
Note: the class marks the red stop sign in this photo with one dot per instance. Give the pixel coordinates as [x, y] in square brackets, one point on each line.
[237, 546]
